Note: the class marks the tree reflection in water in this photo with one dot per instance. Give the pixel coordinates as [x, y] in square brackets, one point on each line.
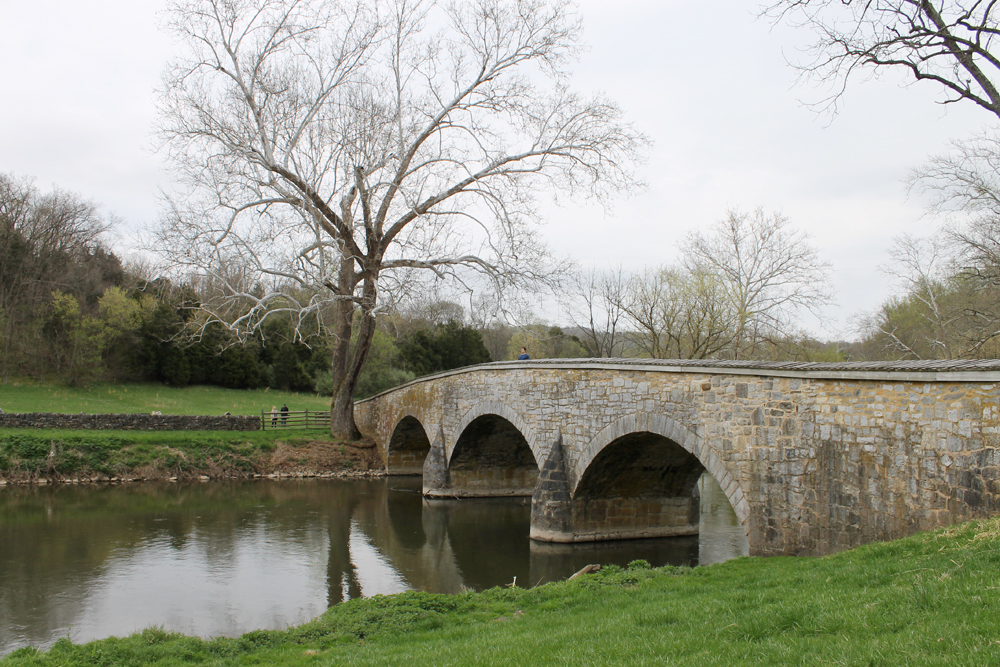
[225, 558]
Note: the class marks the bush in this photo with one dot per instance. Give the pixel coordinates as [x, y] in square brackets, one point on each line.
[442, 348]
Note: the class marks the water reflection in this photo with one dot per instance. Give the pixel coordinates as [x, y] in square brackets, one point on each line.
[226, 558]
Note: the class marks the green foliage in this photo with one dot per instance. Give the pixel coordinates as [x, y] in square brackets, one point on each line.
[174, 367]
[948, 307]
[49, 240]
[66, 452]
[809, 349]
[75, 339]
[443, 347]
[288, 369]
[382, 371]
[238, 368]
[291, 364]
[544, 342]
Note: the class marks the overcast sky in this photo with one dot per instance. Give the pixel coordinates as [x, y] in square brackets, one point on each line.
[708, 82]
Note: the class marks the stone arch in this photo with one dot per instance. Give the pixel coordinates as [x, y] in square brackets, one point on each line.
[500, 410]
[407, 446]
[491, 454]
[674, 431]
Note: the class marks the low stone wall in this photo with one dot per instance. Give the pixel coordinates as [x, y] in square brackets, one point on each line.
[134, 422]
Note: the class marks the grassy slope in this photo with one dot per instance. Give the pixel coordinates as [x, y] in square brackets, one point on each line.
[24, 453]
[138, 398]
[84, 454]
[927, 600]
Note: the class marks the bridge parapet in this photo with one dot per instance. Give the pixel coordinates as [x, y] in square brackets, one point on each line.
[813, 457]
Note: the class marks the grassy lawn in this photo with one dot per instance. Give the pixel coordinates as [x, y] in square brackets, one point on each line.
[139, 398]
[932, 599]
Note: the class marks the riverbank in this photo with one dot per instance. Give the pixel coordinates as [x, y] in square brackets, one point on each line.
[52, 456]
[930, 599]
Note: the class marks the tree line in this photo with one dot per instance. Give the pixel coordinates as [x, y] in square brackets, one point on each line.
[72, 311]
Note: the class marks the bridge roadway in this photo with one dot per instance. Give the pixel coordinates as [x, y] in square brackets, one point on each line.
[814, 457]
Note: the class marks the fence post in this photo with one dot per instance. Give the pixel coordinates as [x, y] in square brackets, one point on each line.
[307, 417]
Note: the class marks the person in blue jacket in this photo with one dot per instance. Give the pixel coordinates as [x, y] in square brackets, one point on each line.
[524, 354]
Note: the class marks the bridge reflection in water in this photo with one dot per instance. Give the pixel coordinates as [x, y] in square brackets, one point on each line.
[223, 559]
[447, 545]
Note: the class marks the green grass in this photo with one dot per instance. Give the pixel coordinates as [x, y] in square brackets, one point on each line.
[932, 599]
[25, 452]
[111, 453]
[139, 398]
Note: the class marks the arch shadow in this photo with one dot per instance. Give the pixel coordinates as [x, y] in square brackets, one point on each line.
[503, 410]
[680, 437]
[492, 455]
[408, 447]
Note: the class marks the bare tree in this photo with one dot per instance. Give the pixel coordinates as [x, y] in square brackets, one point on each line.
[768, 271]
[596, 307]
[922, 322]
[678, 313]
[707, 322]
[340, 147]
[965, 187]
[966, 181]
[948, 42]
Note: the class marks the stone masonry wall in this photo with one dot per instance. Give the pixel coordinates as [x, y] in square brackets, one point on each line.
[493, 481]
[406, 461]
[133, 422]
[630, 518]
[810, 464]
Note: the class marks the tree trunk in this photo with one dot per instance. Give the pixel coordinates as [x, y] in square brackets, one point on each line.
[346, 375]
[342, 406]
[342, 426]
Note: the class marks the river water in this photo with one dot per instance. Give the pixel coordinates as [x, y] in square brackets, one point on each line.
[220, 558]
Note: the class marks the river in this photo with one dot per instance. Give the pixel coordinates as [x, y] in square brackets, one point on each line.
[224, 558]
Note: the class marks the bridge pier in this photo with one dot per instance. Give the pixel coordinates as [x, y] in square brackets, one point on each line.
[551, 503]
[435, 470]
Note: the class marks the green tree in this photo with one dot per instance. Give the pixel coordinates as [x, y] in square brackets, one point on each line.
[545, 342]
[678, 313]
[443, 347]
[48, 242]
[76, 340]
[384, 368]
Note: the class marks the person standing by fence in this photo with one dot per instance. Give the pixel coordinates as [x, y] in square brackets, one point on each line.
[274, 416]
[284, 414]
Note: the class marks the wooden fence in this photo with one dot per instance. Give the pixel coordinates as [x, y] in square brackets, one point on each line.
[295, 419]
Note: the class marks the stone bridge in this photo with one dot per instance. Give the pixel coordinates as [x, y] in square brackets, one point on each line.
[814, 457]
